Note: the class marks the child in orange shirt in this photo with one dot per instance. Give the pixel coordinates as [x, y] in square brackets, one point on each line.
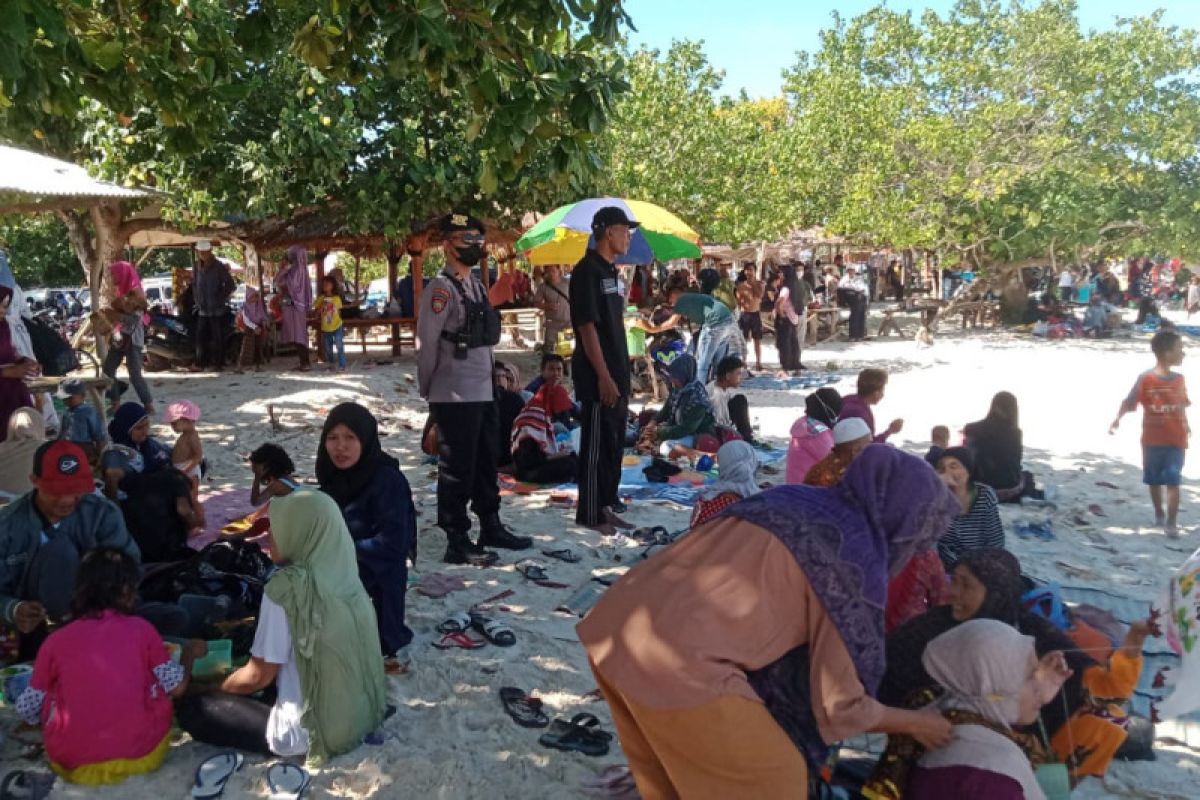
[1165, 431]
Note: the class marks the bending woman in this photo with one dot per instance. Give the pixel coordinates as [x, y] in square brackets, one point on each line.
[778, 605]
[316, 644]
[719, 335]
[377, 506]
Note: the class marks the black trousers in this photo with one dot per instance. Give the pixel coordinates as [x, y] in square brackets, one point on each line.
[534, 467]
[787, 341]
[739, 414]
[210, 350]
[226, 720]
[601, 447]
[857, 303]
[466, 462]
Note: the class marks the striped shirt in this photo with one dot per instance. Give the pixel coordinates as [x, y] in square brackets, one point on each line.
[979, 527]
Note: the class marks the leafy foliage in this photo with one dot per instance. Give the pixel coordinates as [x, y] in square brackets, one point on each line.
[1002, 131]
[719, 163]
[39, 252]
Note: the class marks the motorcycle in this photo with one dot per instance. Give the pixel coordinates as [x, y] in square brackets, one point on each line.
[170, 342]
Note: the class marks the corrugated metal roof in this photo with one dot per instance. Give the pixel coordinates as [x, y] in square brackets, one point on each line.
[23, 173]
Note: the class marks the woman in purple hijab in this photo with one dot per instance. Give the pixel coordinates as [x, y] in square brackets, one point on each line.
[14, 368]
[734, 658]
[296, 297]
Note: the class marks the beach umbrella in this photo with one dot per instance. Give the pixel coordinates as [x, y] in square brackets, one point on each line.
[563, 234]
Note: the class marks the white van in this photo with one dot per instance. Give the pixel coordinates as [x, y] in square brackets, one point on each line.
[159, 292]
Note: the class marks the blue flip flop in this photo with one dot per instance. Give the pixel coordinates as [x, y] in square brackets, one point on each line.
[287, 781]
[213, 773]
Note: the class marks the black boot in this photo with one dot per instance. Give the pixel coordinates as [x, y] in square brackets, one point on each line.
[495, 534]
[461, 550]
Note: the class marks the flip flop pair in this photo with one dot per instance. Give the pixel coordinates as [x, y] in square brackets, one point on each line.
[457, 629]
[581, 735]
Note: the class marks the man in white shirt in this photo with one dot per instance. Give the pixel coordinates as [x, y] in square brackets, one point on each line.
[1066, 285]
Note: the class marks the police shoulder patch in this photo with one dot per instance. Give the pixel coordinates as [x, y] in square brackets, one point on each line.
[439, 299]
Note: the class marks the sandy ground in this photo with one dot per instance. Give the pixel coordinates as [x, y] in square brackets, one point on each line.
[451, 739]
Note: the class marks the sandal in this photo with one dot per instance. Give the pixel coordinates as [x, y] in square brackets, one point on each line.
[287, 781]
[24, 785]
[656, 535]
[566, 554]
[457, 622]
[581, 735]
[536, 573]
[460, 640]
[494, 631]
[213, 773]
[525, 710]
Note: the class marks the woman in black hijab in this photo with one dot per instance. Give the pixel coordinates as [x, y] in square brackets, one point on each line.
[791, 310]
[377, 504]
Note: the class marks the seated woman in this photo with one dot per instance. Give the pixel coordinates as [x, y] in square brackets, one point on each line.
[317, 643]
[812, 434]
[26, 433]
[980, 525]
[377, 506]
[536, 452]
[686, 416]
[850, 438]
[991, 681]
[155, 498]
[737, 462]
[778, 604]
[509, 402]
[995, 442]
[101, 682]
[987, 584]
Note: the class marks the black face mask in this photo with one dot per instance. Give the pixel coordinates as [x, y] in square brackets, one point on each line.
[470, 254]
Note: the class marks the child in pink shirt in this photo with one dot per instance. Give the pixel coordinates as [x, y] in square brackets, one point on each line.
[812, 434]
[102, 685]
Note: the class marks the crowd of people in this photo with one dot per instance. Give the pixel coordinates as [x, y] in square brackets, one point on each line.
[871, 591]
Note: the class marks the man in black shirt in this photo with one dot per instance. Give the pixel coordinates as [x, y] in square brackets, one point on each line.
[601, 368]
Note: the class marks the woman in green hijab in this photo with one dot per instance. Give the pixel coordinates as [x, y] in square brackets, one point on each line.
[317, 643]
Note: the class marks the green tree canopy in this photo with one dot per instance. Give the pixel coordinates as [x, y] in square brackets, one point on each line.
[1002, 131]
[392, 111]
[717, 162]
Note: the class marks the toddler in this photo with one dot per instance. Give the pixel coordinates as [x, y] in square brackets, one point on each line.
[102, 683]
[81, 422]
[188, 453]
[940, 437]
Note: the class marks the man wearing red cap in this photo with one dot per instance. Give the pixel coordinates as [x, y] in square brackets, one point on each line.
[44, 534]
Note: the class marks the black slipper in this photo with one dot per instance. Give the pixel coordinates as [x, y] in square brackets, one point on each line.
[581, 735]
[526, 711]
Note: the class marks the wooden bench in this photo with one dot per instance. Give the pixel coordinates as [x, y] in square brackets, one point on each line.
[829, 317]
[515, 319]
[403, 331]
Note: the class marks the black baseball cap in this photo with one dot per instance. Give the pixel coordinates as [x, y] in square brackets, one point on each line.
[457, 221]
[609, 216]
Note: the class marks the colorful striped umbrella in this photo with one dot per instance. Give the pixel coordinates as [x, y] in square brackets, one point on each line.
[563, 235]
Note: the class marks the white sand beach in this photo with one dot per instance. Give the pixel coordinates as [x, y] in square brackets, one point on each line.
[452, 739]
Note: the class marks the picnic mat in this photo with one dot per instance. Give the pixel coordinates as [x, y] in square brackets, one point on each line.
[764, 381]
[1156, 654]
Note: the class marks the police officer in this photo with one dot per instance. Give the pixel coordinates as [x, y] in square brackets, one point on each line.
[456, 330]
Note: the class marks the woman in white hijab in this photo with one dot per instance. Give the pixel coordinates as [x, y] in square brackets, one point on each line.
[737, 462]
[993, 681]
[26, 433]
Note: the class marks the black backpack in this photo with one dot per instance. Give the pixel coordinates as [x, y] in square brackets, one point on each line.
[50, 349]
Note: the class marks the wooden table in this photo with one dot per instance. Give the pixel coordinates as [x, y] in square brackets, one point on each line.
[95, 388]
[403, 331]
